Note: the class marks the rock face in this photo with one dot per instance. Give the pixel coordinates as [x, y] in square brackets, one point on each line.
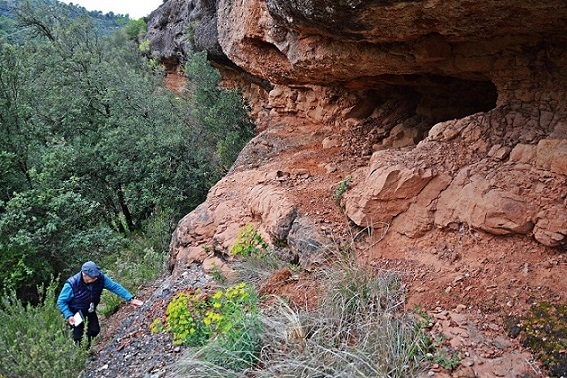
[444, 113]
[178, 27]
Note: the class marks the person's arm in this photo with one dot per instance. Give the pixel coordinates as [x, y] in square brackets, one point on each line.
[119, 290]
[63, 301]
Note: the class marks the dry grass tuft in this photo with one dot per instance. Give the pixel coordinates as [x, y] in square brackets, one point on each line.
[360, 329]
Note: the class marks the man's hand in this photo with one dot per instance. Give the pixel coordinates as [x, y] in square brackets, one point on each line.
[71, 321]
[136, 302]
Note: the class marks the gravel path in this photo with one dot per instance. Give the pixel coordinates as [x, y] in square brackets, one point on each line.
[126, 347]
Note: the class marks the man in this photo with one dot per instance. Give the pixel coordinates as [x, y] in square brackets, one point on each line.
[81, 294]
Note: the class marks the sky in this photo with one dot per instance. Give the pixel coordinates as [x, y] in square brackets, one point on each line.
[135, 8]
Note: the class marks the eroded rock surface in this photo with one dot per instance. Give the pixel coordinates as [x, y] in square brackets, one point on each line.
[444, 113]
[448, 117]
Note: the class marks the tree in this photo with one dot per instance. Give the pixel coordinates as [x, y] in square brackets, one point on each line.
[18, 135]
[222, 111]
[92, 145]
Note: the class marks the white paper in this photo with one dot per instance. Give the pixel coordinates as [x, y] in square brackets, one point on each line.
[78, 318]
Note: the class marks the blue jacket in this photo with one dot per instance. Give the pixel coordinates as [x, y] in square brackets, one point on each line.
[76, 295]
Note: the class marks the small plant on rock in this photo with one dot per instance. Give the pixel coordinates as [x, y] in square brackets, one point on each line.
[341, 189]
[446, 359]
[249, 242]
[217, 274]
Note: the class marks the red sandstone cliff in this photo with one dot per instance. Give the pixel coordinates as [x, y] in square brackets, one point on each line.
[448, 117]
[446, 114]
[448, 121]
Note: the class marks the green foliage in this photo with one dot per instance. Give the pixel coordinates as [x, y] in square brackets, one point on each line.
[135, 29]
[145, 46]
[46, 230]
[227, 321]
[341, 189]
[217, 274]
[237, 349]
[223, 112]
[260, 260]
[190, 32]
[18, 267]
[10, 31]
[157, 326]
[258, 267]
[134, 266]
[435, 342]
[359, 330]
[446, 359]
[182, 320]
[35, 342]
[158, 228]
[249, 242]
[107, 152]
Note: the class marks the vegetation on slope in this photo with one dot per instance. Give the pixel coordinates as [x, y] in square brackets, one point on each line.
[98, 160]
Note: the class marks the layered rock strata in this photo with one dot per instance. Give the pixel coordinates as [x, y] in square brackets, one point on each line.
[452, 113]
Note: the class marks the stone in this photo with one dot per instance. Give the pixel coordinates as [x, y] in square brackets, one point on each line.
[272, 206]
[385, 193]
[551, 227]
[523, 153]
[308, 243]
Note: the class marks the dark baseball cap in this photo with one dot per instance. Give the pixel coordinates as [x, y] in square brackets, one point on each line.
[91, 269]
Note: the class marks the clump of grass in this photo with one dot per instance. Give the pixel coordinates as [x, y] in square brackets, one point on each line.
[257, 268]
[360, 329]
[257, 258]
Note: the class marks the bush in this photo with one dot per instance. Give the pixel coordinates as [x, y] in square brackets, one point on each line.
[249, 242]
[226, 324]
[35, 341]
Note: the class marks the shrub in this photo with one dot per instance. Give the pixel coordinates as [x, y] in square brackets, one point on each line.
[35, 341]
[132, 267]
[182, 321]
[225, 323]
[249, 242]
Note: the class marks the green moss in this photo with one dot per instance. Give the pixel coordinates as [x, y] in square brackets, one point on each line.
[543, 330]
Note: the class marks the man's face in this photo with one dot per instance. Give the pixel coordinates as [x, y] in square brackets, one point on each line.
[88, 279]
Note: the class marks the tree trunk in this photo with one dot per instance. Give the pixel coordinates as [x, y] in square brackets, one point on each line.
[125, 210]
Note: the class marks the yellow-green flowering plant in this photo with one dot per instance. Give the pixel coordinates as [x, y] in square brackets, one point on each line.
[248, 242]
[194, 318]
